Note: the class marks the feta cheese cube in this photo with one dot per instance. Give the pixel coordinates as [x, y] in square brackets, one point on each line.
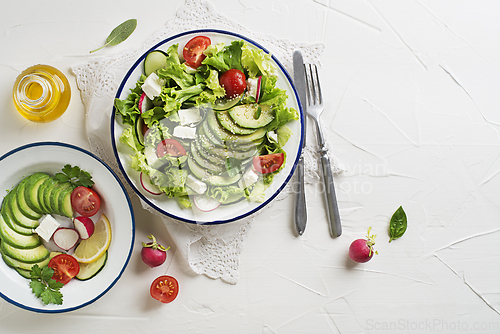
[189, 116]
[273, 135]
[249, 178]
[184, 132]
[150, 154]
[48, 225]
[195, 184]
[152, 86]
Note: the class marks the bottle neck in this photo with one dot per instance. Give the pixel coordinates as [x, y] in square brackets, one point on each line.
[35, 91]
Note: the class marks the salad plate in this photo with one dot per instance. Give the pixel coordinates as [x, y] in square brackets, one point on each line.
[191, 212]
[50, 158]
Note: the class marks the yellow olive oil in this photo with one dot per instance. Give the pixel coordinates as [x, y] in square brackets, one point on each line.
[41, 93]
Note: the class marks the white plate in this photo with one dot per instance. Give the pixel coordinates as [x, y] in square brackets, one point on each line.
[50, 157]
[225, 213]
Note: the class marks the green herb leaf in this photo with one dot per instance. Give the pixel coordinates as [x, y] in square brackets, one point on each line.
[398, 224]
[233, 166]
[120, 33]
[37, 287]
[44, 287]
[47, 273]
[257, 112]
[74, 175]
[51, 296]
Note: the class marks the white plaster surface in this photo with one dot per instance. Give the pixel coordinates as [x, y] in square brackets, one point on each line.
[412, 116]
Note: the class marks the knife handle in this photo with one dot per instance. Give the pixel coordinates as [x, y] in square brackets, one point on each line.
[330, 197]
[300, 216]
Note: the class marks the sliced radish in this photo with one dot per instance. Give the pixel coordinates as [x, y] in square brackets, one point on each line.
[254, 87]
[148, 186]
[65, 238]
[84, 226]
[205, 203]
[144, 103]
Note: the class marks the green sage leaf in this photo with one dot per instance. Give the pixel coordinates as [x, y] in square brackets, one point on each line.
[120, 33]
[398, 224]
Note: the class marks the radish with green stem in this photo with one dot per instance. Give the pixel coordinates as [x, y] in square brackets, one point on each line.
[152, 253]
[361, 250]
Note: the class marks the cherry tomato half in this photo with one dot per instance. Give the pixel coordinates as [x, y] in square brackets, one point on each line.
[234, 82]
[85, 201]
[268, 163]
[65, 267]
[193, 50]
[164, 288]
[170, 146]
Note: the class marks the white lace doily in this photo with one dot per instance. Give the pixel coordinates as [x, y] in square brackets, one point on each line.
[210, 250]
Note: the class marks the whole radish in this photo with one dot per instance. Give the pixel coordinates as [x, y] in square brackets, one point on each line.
[361, 250]
[152, 253]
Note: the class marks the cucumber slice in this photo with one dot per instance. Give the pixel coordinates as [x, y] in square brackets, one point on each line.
[139, 123]
[226, 136]
[89, 270]
[44, 196]
[31, 191]
[7, 217]
[55, 194]
[215, 159]
[226, 104]
[247, 115]
[8, 235]
[66, 209]
[212, 168]
[11, 262]
[227, 123]
[224, 153]
[32, 255]
[24, 273]
[21, 201]
[155, 60]
[18, 217]
[211, 136]
[205, 176]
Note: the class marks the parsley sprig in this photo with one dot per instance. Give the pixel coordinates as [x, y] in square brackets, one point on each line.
[44, 287]
[75, 175]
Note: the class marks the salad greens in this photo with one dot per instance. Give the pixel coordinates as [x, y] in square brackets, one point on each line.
[183, 87]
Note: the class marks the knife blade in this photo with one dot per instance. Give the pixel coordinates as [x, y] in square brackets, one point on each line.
[299, 80]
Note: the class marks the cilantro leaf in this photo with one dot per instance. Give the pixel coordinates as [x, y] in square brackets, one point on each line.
[37, 287]
[44, 287]
[51, 296]
[47, 273]
[74, 175]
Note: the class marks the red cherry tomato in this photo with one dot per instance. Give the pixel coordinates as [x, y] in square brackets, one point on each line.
[170, 146]
[234, 82]
[85, 201]
[164, 288]
[65, 267]
[193, 50]
[268, 163]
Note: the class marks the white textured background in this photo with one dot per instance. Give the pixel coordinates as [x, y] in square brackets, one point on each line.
[412, 95]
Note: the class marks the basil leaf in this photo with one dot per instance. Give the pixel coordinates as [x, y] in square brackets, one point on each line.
[120, 33]
[398, 224]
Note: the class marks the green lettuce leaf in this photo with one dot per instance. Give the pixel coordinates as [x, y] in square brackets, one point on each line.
[283, 115]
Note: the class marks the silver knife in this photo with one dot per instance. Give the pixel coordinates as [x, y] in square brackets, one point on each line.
[299, 80]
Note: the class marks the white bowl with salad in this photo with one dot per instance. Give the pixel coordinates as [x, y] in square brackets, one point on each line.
[66, 221]
[207, 127]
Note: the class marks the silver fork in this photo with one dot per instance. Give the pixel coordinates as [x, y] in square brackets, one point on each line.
[314, 109]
